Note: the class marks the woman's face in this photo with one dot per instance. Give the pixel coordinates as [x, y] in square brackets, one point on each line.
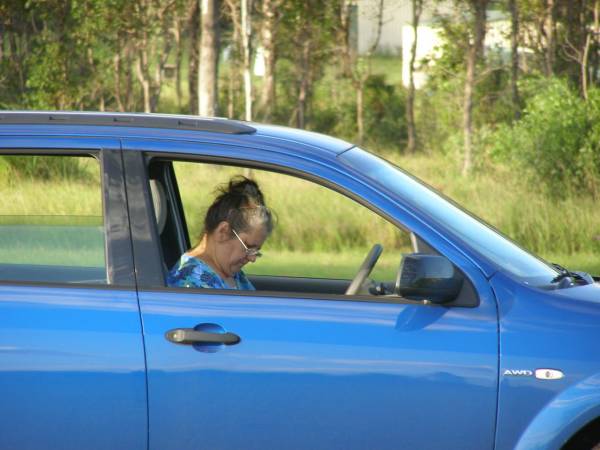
[231, 254]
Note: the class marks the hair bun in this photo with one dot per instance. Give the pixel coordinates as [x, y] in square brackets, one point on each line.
[240, 185]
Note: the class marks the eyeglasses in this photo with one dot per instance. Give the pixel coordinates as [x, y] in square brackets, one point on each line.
[250, 252]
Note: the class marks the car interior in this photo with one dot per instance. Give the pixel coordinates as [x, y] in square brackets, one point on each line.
[448, 286]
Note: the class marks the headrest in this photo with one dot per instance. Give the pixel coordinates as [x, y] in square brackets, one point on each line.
[159, 200]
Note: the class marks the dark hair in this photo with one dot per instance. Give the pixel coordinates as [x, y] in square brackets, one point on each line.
[240, 203]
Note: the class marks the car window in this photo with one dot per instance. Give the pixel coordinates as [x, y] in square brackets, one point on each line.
[319, 233]
[51, 225]
[480, 236]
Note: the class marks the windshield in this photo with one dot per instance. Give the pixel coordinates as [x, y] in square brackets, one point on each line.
[488, 242]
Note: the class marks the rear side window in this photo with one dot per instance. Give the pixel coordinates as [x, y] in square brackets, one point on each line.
[51, 224]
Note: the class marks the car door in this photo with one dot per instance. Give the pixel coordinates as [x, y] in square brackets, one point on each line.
[310, 370]
[72, 371]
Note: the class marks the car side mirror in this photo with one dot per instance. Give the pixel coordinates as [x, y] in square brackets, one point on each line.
[428, 277]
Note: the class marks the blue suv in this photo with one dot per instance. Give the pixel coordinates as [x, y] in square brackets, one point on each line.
[470, 342]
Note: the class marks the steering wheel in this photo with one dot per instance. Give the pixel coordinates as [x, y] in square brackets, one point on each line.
[365, 269]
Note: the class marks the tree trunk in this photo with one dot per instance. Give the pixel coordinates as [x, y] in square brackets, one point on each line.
[550, 30]
[514, 44]
[247, 56]
[231, 89]
[16, 59]
[584, 67]
[268, 36]
[596, 35]
[468, 111]
[209, 54]
[360, 114]
[117, 80]
[178, 58]
[594, 57]
[303, 90]
[235, 59]
[347, 52]
[411, 146]
[301, 106]
[194, 58]
[586, 51]
[474, 51]
[129, 95]
[141, 69]
[361, 77]
[159, 67]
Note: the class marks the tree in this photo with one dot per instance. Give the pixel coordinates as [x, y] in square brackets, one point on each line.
[153, 45]
[581, 31]
[247, 54]
[242, 39]
[514, 46]
[417, 8]
[209, 57]
[310, 27]
[358, 67]
[474, 52]
[270, 18]
[549, 31]
[179, 26]
[591, 38]
[194, 55]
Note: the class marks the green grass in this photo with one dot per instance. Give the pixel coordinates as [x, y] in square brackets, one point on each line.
[35, 195]
[566, 231]
[309, 218]
[586, 262]
[342, 265]
[390, 66]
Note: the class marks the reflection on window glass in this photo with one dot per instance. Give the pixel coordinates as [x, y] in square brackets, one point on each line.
[51, 226]
[319, 233]
[474, 233]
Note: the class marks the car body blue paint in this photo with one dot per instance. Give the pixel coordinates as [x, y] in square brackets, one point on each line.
[545, 329]
[567, 413]
[320, 374]
[72, 371]
[76, 364]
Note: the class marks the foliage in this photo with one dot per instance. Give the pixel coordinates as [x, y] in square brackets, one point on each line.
[386, 115]
[384, 112]
[556, 141]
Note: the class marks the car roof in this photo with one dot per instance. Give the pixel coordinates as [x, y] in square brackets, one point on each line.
[165, 126]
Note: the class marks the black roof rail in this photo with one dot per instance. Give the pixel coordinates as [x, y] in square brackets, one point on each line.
[216, 125]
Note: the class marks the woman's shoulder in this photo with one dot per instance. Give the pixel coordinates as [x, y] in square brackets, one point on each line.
[193, 272]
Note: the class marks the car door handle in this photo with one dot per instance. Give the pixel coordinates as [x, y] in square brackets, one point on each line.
[190, 336]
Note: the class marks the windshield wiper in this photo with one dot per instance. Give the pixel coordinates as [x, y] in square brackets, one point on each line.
[564, 273]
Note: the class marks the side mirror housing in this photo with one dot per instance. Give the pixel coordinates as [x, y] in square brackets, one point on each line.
[428, 277]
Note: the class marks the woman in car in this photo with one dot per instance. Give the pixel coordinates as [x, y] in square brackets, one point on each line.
[235, 227]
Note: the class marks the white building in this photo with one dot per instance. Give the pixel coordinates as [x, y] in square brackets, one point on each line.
[397, 33]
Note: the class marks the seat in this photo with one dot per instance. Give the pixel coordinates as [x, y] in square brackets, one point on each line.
[159, 201]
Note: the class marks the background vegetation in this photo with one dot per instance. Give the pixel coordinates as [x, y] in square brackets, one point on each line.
[532, 143]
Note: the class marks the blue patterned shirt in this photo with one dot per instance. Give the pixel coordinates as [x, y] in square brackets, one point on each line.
[193, 272]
